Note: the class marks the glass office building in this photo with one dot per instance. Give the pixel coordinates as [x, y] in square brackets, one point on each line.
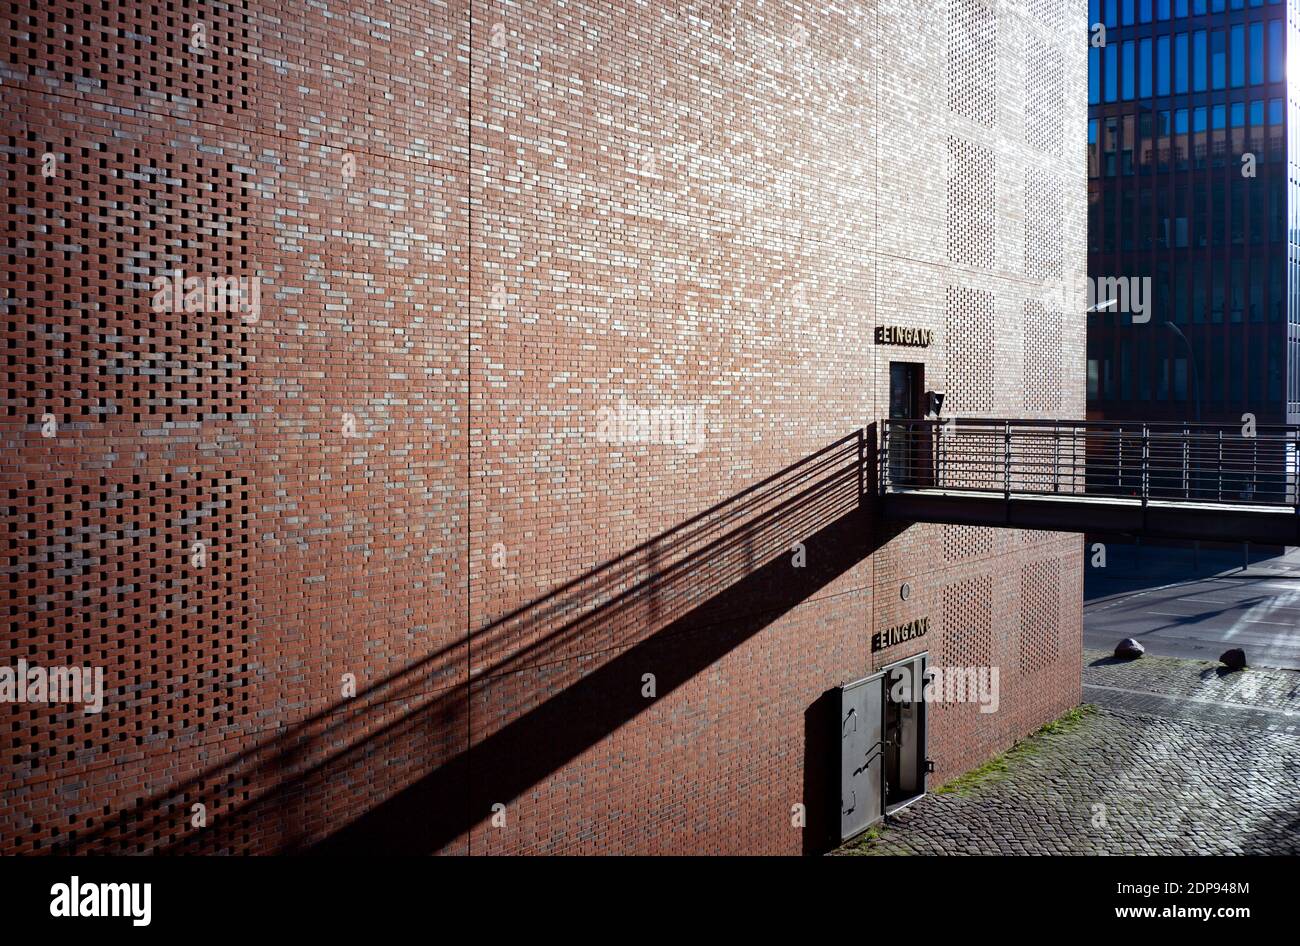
[1192, 183]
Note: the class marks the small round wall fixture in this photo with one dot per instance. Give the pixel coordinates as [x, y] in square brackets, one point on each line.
[905, 591]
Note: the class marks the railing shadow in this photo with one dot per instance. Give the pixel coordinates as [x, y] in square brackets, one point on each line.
[547, 681]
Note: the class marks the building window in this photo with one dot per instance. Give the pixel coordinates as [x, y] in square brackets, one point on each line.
[1144, 69]
[1200, 61]
[1276, 51]
[1180, 63]
[1237, 56]
[1162, 65]
[1256, 53]
[1218, 59]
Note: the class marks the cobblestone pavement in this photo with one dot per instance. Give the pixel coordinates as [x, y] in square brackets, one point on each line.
[1176, 759]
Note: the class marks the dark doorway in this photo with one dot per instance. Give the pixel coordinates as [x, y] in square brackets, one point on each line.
[904, 732]
[906, 390]
[909, 453]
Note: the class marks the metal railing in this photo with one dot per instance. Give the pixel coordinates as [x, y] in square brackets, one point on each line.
[1195, 463]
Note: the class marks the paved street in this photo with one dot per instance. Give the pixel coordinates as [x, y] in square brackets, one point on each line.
[1176, 759]
[1190, 604]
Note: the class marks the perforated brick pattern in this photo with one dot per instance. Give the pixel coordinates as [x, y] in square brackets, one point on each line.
[119, 216]
[971, 60]
[972, 200]
[132, 51]
[1041, 387]
[190, 515]
[1051, 15]
[1040, 615]
[969, 330]
[963, 542]
[148, 578]
[1044, 237]
[1044, 95]
[968, 623]
[1036, 536]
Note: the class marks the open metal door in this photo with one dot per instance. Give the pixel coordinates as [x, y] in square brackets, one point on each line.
[861, 760]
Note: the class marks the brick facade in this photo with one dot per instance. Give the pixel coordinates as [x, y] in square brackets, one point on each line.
[564, 342]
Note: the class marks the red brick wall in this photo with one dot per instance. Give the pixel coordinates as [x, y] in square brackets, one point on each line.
[397, 470]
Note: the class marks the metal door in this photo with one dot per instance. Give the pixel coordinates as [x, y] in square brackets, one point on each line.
[906, 386]
[861, 766]
[909, 446]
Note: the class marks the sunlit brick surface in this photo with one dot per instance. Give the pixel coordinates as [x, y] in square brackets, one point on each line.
[475, 243]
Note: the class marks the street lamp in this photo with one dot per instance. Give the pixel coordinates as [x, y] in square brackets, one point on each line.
[1191, 360]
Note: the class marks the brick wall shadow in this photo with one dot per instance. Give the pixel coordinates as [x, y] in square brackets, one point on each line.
[821, 787]
[401, 764]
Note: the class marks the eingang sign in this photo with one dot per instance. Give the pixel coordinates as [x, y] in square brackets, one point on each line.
[900, 633]
[904, 335]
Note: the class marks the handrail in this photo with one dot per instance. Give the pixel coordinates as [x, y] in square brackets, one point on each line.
[1143, 461]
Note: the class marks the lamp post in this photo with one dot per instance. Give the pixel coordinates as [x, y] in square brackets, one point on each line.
[1098, 307]
[1191, 360]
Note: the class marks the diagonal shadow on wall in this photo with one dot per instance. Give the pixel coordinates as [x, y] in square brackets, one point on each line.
[562, 673]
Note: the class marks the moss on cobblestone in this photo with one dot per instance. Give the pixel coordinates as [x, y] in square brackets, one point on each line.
[876, 840]
[1000, 765]
[1068, 722]
[866, 843]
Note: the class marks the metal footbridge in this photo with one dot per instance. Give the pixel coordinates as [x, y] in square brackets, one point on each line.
[1161, 480]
